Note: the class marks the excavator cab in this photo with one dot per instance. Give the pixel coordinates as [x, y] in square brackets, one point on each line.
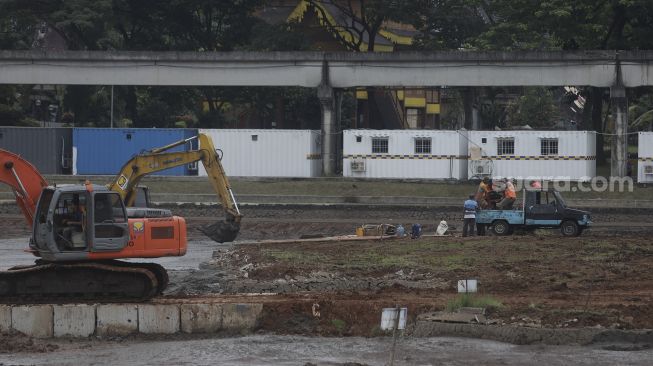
[72, 221]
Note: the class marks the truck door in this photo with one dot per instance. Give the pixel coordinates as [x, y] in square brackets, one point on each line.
[545, 212]
[110, 228]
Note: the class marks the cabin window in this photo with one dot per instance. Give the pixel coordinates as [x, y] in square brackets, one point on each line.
[423, 145]
[506, 146]
[379, 145]
[549, 146]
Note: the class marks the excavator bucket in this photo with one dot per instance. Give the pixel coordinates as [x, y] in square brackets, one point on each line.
[222, 231]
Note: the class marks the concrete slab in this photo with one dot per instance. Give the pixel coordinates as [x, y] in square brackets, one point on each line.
[5, 318]
[158, 319]
[240, 317]
[35, 321]
[448, 317]
[201, 318]
[74, 320]
[116, 320]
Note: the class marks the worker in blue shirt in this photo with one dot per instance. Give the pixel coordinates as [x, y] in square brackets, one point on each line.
[469, 215]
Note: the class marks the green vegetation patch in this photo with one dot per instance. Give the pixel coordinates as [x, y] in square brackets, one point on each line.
[474, 301]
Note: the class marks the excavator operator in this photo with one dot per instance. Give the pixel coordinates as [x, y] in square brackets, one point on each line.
[75, 222]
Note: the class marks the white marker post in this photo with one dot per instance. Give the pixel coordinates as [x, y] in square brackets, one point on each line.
[466, 286]
[394, 318]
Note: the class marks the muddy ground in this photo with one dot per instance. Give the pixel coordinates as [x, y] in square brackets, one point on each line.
[601, 279]
[263, 350]
[20, 343]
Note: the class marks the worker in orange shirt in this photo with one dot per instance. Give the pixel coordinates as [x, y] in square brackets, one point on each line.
[481, 194]
[509, 196]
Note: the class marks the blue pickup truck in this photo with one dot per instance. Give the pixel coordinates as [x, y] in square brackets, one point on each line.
[541, 208]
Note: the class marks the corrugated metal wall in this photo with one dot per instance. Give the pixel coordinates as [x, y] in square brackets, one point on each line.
[48, 149]
[105, 151]
[267, 153]
[447, 159]
[645, 157]
[576, 158]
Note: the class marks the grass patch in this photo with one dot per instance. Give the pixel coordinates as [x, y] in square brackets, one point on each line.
[339, 325]
[291, 256]
[413, 255]
[335, 187]
[474, 301]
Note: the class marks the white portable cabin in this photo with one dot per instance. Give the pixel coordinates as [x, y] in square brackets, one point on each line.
[267, 153]
[548, 155]
[427, 154]
[645, 157]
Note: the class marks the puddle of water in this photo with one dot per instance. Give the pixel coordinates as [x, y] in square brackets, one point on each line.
[296, 350]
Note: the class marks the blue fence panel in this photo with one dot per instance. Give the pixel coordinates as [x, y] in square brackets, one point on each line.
[106, 150]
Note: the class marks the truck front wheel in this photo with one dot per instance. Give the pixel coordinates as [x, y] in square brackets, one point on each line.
[570, 228]
[501, 228]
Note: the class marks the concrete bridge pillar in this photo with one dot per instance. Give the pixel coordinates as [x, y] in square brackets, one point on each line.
[327, 101]
[619, 105]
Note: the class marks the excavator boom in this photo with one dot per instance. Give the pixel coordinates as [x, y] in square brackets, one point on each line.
[148, 162]
[25, 181]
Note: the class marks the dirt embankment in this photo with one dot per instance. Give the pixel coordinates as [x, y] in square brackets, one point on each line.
[541, 281]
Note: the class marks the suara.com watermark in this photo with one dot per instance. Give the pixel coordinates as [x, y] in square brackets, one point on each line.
[567, 184]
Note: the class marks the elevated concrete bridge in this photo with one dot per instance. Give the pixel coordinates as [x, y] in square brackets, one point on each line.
[326, 71]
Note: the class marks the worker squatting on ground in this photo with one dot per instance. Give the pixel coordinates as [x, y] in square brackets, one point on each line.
[469, 215]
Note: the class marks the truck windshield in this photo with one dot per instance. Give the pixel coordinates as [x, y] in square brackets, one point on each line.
[559, 198]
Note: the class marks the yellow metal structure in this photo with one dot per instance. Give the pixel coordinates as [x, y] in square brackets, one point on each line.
[158, 159]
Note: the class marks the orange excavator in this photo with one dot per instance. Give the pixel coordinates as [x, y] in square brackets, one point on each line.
[80, 231]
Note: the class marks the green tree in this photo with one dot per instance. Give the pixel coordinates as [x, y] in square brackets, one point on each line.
[356, 22]
[449, 24]
[207, 25]
[17, 26]
[536, 108]
[83, 23]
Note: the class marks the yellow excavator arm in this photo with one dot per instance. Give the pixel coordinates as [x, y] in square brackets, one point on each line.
[158, 159]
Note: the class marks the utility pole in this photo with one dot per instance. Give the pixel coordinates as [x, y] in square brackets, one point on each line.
[619, 103]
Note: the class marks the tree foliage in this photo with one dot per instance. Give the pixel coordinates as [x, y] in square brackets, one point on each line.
[536, 107]
[208, 25]
[449, 24]
[356, 22]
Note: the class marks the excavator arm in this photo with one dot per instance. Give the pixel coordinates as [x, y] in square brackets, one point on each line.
[25, 181]
[159, 159]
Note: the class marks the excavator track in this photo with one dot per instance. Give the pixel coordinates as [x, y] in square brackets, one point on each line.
[157, 270]
[107, 281]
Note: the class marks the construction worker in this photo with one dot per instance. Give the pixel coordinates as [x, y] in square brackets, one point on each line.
[469, 215]
[535, 184]
[509, 196]
[481, 194]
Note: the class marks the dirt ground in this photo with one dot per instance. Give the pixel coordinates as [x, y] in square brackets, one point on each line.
[12, 343]
[601, 279]
[540, 281]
